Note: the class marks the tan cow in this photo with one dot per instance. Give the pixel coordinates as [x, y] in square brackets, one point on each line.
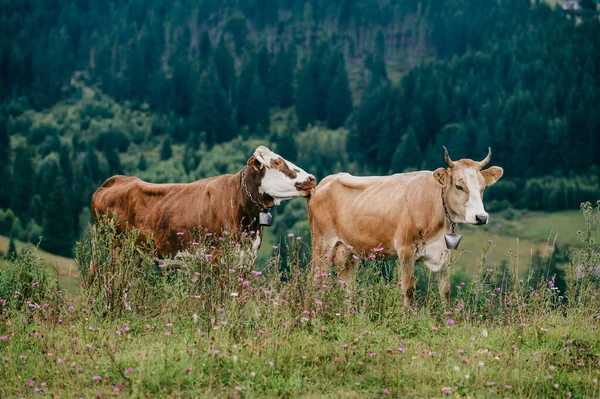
[404, 215]
[222, 203]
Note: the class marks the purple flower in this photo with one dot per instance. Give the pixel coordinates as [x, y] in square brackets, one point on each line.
[129, 371]
[4, 338]
[450, 322]
[491, 383]
[373, 354]
[195, 244]
[180, 233]
[97, 378]
[215, 352]
[35, 284]
[30, 383]
[319, 302]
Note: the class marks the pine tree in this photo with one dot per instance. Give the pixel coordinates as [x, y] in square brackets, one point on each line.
[57, 226]
[224, 64]
[284, 75]
[306, 93]
[265, 73]
[205, 50]
[408, 153]
[340, 99]
[12, 249]
[24, 186]
[166, 152]
[142, 164]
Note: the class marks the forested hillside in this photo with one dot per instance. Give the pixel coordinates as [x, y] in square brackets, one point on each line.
[177, 91]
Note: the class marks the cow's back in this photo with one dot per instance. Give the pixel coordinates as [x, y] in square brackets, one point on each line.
[369, 211]
[113, 195]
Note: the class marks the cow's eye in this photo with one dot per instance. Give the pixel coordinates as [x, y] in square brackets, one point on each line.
[460, 188]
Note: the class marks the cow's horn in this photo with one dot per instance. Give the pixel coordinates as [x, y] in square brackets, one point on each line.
[483, 163]
[447, 158]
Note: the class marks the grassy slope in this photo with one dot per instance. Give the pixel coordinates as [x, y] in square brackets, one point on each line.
[68, 276]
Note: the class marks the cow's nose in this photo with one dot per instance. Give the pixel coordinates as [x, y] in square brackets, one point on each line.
[311, 179]
[481, 219]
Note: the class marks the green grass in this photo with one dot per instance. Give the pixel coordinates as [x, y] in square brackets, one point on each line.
[68, 276]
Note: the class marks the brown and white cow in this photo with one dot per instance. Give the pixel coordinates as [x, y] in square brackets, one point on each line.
[404, 215]
[216, 204]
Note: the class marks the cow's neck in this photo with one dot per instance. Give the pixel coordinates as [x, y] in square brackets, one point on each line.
[250, 208]
[450, 225]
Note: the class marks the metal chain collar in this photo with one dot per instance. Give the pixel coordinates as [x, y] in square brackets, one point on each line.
[260, 208]
[452, 224]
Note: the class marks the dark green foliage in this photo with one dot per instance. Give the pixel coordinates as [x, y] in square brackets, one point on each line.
[166, 152]
[306, 92]
[339, 104]
[142, 163]
[24, 185]
[408, 154]
[58, 223]
[12, 249]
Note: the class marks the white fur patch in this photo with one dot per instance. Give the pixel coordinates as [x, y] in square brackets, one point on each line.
[475, 202]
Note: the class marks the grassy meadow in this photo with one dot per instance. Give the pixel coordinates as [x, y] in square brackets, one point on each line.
[219, 327]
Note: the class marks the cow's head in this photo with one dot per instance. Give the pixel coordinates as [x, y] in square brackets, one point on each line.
[282, 179]
[463, 183]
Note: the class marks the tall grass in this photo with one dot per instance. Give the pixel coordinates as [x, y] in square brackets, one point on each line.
[211, 325]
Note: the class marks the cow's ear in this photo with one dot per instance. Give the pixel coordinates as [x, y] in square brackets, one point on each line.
[254, 163]
[492, 175]
[440, 174]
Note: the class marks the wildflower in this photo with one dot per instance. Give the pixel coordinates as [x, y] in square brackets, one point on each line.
[450, 322]
[97, 378]
[508, 387]
[359, 363]
[489, 270]
[522, 324]
[498, 290]
[550, 377]
[490, 383]
[569, 341]
[188, 369]
[544, 330]
[30, 383]
[481, 364]
[336, 359]
[345, 346]
[299, 238]
[401, 350]
[434, 328]
[180, 233]
[238, 388]
[556, 386]
[385, 391]
[221, 310]
[4, 338]
[319, 302]
[234, 294]
[350, 247]
[35, 284]
[208, 256]
[88, 346]
[355, 257]
[290, 235]
[129, 371]
[456, 368]
[371, 355]
[256, 272]
[161, 266]
[378, 249]
[550, 283]
[467, 376]
[485, 333]
[463, 359]
[216, 352]
[5, 359]
[22, 357]
[195, 244]
[245, 283]
[447, 391]
[234, 358]
[167, 333]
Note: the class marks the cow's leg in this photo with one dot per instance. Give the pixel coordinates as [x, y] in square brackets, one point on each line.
[443, 277]
[407, 266]
[322, 255]
[344, 265]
